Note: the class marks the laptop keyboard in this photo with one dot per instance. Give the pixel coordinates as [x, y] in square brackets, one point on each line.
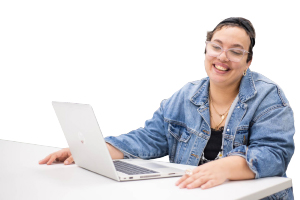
[130, 169]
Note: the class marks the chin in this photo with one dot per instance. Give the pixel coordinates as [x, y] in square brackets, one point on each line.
[217, 80]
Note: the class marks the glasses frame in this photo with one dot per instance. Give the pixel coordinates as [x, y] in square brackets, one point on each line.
[226, 50]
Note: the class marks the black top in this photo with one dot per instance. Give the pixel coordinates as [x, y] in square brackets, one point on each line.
[213, 147]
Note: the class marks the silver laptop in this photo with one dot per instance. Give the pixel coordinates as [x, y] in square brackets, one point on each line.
[89, 150]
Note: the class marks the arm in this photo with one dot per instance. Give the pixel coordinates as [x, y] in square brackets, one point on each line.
[217, 172]
[237, 168]
[268, 153]
[271, 143]
[114, 152]
[146, 143]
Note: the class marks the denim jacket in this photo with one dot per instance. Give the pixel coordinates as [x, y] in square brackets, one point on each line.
[259, 129]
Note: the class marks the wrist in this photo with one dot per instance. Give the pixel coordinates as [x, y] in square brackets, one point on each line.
[114, 152]
[237, 168]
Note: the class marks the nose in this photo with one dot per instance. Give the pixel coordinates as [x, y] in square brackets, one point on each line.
[223, 56]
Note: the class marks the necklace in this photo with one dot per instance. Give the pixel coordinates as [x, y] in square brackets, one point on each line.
[217, 127]
[223, 116]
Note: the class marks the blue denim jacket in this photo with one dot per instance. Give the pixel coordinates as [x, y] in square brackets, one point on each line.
[260, 128]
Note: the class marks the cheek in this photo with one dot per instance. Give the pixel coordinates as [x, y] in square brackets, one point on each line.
[238, 68]
[209, 58]
[208, 61]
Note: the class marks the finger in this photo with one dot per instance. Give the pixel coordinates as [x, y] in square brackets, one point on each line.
[61, 159]
[69, 160]
[45, 160]
[51, 160]
[184, 177]
[190, 180]
[184, 183]
[209, 184]
[197, 183]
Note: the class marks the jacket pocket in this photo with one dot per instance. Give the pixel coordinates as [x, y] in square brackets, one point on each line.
[179, 132]
[179, 135]
[241, 136]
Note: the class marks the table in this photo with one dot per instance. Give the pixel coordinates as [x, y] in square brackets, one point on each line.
[21, 177]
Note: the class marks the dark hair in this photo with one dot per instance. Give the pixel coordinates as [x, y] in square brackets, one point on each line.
[236, 22]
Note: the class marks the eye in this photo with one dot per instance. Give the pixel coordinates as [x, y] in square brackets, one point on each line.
[216, 47]
[236, 52]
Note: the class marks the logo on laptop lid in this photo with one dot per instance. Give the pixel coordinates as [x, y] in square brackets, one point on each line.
[81, 138]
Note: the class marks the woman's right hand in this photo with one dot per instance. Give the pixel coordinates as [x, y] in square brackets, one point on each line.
[63, 155]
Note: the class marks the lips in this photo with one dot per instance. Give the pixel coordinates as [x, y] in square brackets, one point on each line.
[221, 67]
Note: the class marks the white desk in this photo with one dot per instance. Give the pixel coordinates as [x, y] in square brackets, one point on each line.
[21, 177]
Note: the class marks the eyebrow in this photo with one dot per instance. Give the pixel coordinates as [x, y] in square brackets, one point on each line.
[234, 45]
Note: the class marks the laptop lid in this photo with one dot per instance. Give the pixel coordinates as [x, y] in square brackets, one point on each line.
[84, 138]
[89, 149]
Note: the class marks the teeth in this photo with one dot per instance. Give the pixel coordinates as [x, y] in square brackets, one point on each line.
[220, 68]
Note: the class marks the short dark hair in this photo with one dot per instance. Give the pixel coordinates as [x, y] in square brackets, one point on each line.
[236, 22]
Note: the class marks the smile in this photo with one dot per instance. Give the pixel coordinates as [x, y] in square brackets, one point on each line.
[218, 67]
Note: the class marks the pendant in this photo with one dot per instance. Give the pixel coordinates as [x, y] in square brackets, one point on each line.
[222, 116]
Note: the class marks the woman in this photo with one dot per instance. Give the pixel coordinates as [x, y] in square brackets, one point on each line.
[235, 124]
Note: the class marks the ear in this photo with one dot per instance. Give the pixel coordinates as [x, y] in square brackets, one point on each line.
[249, 63]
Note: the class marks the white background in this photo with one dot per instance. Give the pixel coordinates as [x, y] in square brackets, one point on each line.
[123, 58]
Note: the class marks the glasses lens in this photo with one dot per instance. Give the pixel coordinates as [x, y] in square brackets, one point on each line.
[235, 55]
[213, 49]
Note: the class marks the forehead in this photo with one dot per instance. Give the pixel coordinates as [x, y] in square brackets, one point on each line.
[232, 36]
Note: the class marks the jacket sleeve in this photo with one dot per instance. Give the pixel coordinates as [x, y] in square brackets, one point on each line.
[271, 143]
[146, 143]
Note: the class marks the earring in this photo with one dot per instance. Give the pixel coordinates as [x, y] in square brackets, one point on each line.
[244, 73]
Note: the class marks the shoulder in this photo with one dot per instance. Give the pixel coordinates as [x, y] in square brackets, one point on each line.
[259, 78]
[185, 93]
[269, 99]
[199, 82]
[268, 89]
[192, 87]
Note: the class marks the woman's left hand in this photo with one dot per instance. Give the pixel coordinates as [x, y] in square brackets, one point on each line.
[206, 176]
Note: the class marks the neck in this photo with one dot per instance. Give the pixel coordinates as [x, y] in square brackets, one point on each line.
[223, 95]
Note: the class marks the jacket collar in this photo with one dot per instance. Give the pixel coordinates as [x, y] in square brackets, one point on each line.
[201, 96]
[247, 87]
[246, 92]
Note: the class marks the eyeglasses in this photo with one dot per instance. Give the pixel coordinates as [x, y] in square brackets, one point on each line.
[233, 54]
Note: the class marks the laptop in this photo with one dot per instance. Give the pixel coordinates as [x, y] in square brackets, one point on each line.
[90, 152]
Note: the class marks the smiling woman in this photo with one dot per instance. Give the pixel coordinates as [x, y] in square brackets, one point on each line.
[234, 124]
[226, 67]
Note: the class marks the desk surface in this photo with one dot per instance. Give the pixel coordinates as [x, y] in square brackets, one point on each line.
[21, 177]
